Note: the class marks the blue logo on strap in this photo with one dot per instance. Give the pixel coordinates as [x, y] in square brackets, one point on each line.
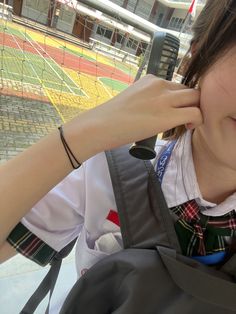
[163, 161]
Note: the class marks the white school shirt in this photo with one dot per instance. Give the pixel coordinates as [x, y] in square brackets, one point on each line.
[80, 204]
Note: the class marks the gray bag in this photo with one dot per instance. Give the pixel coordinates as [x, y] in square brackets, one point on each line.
[149, 276]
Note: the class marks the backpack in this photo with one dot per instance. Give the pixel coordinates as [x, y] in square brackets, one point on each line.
[150, 275]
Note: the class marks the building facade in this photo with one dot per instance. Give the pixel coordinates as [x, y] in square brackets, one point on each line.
[83, 22]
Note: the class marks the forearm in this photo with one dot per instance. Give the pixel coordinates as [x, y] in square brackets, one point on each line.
[25, 179]
[6, 252]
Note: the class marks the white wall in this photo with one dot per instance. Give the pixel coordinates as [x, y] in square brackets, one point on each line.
[179, 13]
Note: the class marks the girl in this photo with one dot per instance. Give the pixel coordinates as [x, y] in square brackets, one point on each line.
[199, 182]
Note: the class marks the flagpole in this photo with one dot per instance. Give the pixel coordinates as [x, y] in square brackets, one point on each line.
[191, 11]
[186, 20]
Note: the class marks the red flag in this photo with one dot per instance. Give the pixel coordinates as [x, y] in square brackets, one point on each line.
[192, 8]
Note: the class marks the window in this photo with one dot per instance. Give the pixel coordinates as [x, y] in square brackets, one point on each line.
[119, 38]
[159, 19]
[131, 5]
[176, 23]
[144, 9]
[119, 2]
[66, 15]
[38, 5]
[43, 5]
[132, 43]
[31, 4]
[103, 31]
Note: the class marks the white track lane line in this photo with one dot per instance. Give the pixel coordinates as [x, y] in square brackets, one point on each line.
[26, 58]
[58, 111]
[45, 52]
[78, 86]
[49, 64]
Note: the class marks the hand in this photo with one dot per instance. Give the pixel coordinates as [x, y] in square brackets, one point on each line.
[148, 107]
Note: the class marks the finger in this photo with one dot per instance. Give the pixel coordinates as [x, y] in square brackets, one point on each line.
[176, 86]
[186, 98]
[190, 116]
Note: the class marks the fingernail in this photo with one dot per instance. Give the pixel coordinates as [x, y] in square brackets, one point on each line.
[189, 126]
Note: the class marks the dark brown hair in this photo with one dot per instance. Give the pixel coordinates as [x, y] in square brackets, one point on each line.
[213, 33]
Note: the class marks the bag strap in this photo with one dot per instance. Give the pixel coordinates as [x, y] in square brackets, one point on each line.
[144, 216]
[48, 283]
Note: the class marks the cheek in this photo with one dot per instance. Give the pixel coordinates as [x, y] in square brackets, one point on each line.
[212, 98]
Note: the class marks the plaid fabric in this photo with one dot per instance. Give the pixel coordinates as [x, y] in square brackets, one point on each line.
[28, 244]
[199, 234]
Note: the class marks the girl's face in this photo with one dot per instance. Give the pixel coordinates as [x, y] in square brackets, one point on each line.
[218, 106]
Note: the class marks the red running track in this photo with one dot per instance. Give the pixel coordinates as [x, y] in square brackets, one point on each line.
[66, 59]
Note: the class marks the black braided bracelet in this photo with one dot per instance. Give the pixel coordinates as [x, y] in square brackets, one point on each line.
[74, 162]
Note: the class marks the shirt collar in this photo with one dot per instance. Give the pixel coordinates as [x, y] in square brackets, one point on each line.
[180, 184]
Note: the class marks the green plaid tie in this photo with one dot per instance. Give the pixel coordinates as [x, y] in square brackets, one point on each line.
[200, 234]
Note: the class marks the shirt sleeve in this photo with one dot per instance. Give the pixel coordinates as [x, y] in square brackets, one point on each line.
[53, 222]
[29, 245]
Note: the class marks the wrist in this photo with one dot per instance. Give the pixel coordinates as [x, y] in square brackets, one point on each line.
[85, 135]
